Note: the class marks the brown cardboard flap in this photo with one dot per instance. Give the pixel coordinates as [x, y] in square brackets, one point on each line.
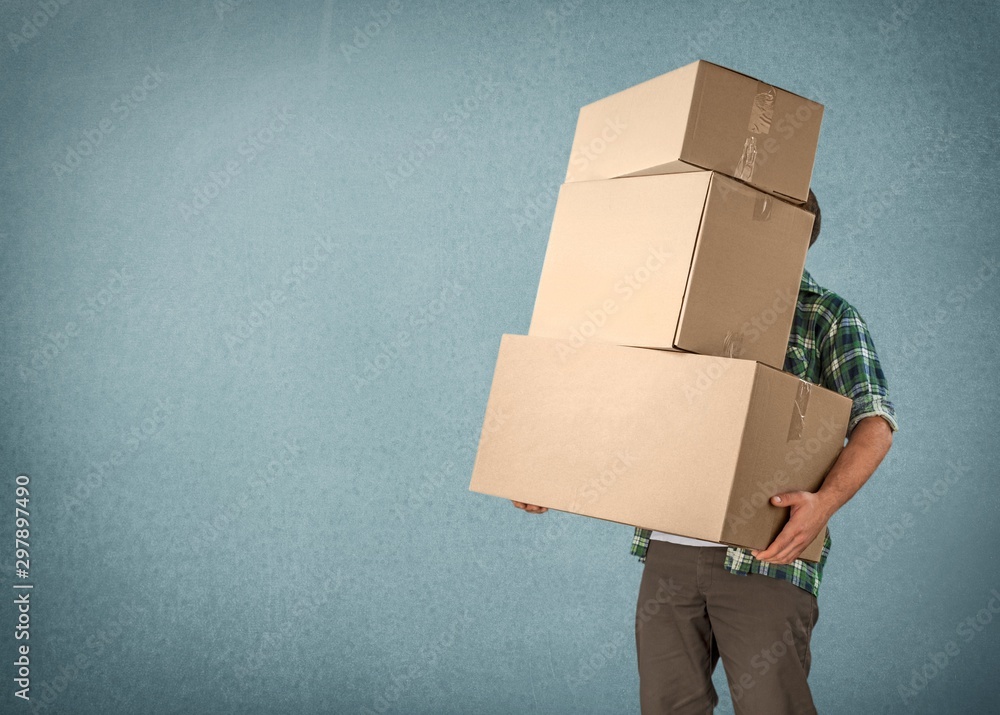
[771, 463]
[754, 132]
[740, 297]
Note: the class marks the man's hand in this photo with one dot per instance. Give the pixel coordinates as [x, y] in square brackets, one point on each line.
[530, 508]
[865, 449]
[807, 519]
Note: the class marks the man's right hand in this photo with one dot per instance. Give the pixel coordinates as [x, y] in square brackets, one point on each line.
[530, 508]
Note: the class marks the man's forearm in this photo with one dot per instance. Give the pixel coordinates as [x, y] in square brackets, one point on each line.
[870, 441]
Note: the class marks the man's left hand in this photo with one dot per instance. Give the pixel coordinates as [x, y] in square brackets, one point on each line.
[806, 520]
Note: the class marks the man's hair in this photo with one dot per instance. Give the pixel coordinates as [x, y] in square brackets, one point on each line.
[812, 206]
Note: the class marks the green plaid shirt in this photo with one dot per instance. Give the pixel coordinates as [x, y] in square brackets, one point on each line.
[829, 346]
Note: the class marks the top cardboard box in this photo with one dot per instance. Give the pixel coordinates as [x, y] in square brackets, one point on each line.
[701, 116]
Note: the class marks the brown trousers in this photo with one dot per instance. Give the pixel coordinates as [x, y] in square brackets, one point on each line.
[691, 611]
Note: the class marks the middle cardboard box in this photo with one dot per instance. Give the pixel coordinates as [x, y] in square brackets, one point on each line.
[697, 262]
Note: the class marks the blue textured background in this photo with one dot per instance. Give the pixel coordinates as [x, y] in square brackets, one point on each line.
[241, 505]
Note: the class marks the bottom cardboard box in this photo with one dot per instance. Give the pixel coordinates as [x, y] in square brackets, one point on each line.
[687, 444]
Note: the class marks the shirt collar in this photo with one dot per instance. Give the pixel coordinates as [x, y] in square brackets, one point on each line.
[808, 284]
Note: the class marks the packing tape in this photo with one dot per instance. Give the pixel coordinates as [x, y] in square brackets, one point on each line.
[762, 111]
[732, 344]
[762, 208]
[761, 114]
[744, 167]
[799, 407]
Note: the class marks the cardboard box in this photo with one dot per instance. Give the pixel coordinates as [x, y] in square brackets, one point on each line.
[701, 116]
[696, 262]
[676, 442]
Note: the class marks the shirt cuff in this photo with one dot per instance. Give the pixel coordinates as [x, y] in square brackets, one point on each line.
[872, 405]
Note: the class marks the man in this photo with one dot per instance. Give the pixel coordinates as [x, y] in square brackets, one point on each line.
[756, 610]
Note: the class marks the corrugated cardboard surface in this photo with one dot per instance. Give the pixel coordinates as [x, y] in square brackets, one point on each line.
[794, 433]
[705, 116]
[612, 432]
[740, 297]
[640, 128]
[618, 258]
[727, 112]
[605, 278]
[664, 440]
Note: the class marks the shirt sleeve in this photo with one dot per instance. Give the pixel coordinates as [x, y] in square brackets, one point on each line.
[851, 367]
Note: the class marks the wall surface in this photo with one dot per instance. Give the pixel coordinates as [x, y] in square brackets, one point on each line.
[255, 262]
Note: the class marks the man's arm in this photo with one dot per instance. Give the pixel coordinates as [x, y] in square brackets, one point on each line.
[869, 442]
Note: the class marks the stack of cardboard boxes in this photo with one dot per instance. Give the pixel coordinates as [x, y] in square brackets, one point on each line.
[649, 389]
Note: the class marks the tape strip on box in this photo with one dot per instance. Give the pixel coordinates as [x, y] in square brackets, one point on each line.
[762, 111]
[799, 407]
[732, 344]
[761, 114]
[762, 208]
